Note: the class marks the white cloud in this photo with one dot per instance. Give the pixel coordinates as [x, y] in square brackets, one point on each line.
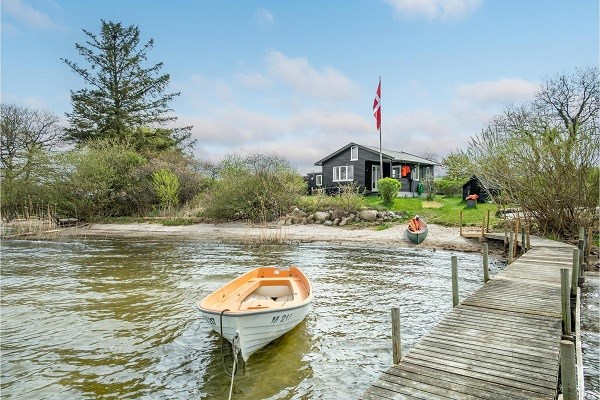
[254, 80]
[277, 121]
[435, 9]
[264, 18]
[499, 91]
[305, 80]
[28, 15]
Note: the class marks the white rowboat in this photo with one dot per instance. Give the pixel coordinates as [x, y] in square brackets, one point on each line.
[261, 305]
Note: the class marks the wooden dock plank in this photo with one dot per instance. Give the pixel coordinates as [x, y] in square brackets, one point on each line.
[507, 355]
[521, 348]
[525, 369]
[461, 369]
[480, 388]
[502, 342]
[488, 332]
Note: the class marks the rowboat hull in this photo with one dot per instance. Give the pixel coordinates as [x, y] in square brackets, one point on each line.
[259, 306]
[417, 236]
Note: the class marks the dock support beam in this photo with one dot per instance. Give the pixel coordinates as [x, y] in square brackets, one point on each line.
[565, 298]
[568, 373]
[454, 262]
[511, 243]
[396, 338]
[486, 273]
[575, 271]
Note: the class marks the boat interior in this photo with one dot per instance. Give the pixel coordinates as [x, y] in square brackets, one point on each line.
[265, 288]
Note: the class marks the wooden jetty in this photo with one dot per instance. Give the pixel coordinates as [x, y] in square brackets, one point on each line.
[502, 342]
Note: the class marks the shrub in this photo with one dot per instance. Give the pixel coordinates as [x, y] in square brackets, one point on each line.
[257, 187]
[388, 188]
[449, 187]
[166, 186]
[349, 200]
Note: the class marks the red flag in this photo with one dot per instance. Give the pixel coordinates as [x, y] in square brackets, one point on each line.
[377, 105]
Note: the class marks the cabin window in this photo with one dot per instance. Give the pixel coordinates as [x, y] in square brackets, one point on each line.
[396, 172]
[353, 153]
[415, 173]
[319, 180]
[343, 173]
[427, 172]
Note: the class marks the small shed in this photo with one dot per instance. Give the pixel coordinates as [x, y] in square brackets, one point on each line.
[475, 185]
[314, 181]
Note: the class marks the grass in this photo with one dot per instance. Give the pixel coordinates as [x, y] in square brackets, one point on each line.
[441, 211]
[448, 214]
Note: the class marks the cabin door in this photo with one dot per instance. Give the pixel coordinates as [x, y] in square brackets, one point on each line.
[374, 177]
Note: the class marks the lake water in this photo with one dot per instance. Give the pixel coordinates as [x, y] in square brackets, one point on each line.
[118, 319]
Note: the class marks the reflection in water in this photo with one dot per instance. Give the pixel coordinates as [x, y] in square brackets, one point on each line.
[118, 319]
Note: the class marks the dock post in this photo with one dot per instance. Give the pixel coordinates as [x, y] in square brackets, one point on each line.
[505, 232]
[588, 248]
[454, 263]
[575, 271]
[482, 229]
[581, 247]
[523, 247]
[486, 276]
[517, 230]
[510, 247]
[568, 372]
[565, 299]
[396, 338]
[460, 223]
[487, 229]
[528, 238]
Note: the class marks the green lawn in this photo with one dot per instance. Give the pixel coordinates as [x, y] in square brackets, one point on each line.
[442, 211]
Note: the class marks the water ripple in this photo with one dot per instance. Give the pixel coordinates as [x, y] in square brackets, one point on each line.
[117, 318]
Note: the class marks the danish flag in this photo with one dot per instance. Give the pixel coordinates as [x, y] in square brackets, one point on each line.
[377, 106]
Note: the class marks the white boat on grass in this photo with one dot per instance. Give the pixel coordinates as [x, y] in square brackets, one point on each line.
[260, 306]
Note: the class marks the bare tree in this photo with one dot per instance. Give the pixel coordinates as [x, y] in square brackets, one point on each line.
[24, 134]
[572, 100]
[544, 155]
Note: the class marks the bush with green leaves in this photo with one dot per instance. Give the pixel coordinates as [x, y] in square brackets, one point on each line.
[449, 187]
[388, 189]
[166, 186]
[99, 180]
[259, 187]
[349, 200]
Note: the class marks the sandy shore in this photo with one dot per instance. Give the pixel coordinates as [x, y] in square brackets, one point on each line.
[439, 237]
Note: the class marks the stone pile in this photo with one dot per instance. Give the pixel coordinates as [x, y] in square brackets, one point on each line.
[338, 217]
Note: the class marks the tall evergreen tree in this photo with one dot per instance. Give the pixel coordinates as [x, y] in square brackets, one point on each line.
[122, 98]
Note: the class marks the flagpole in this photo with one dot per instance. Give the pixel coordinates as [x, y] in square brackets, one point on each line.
[380, 154]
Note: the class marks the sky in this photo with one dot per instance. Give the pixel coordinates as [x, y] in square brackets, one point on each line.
[297, 78]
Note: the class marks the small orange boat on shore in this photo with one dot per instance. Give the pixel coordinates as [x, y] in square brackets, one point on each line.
[417, 229]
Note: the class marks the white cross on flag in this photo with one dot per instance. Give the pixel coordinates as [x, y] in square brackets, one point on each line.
[377, 105]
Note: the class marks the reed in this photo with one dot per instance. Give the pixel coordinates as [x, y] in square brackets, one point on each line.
[266, 235]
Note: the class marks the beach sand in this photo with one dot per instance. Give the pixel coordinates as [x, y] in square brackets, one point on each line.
[439, 237]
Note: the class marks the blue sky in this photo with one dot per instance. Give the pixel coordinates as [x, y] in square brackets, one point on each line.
[298, 78]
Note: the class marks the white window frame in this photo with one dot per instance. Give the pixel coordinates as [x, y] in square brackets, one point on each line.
[353, 153]
[427, 172]
[398, 171]
[319, 180]
[415, 172]
[343, 173]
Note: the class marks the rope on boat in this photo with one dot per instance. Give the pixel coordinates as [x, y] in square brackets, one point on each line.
[222, 339]
[236, 349]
